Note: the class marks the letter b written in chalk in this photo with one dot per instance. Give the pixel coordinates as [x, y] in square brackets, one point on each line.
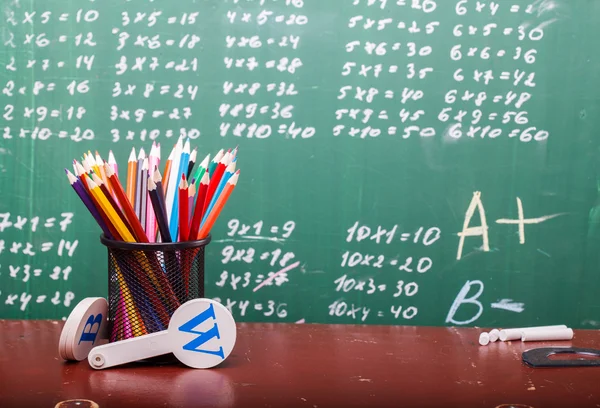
[464, 298]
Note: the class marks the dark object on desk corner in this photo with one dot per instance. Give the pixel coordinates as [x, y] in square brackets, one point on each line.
[540, 357]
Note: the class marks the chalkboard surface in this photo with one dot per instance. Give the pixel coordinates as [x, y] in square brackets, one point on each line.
[419, 162]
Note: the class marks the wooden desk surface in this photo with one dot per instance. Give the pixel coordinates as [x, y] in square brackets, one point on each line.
[281, 365]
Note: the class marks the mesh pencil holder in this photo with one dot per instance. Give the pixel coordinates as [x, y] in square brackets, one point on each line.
[147, 282]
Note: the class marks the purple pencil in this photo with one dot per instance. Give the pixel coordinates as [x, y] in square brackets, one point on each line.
[80, 190]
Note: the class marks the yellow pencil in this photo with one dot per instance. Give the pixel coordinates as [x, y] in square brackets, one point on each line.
[137, 323]
[110, 211]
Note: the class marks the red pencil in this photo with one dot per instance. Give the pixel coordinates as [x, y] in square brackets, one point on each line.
[134, 222]
[111, 200]
[200, 200]
[184, 226]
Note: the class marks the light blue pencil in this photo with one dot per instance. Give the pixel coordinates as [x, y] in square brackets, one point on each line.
[226, 176]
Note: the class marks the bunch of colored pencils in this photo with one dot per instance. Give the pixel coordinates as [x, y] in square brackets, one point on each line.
[181, 204]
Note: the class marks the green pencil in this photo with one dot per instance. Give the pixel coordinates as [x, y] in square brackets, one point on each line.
[215, 162]
[201, 169]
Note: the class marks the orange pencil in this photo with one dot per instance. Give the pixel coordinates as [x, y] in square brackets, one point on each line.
[167, 171]
[216, 210]
[184, 226]
[131, 177]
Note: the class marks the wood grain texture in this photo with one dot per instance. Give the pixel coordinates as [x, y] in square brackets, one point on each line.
[283, 365]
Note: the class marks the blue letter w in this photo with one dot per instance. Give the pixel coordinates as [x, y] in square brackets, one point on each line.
[203, 337]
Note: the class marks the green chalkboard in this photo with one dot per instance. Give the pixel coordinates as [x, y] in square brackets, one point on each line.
[403, 162]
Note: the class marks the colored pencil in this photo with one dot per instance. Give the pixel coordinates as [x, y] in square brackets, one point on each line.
[111, 200]
[112, 162]
[110, 211]
[79, 171]
[83, 178]
[86, 165]
[184, 225]
[134, 222]
[87, 201]
[157, 178]
[214, 163]
[144, 195]
[183, 165]
[226, 176]
[167, 172]
[215, 179]
[159, 210]
[100, 166]
[153, 163]
[91, 162]
[202, 168]
[131, 176]
[191, 196]
[197, 213]
[173, 185]
[214, 214]
[192, 163]
[139, 328]
[154, 157]
[187, 209]
[138, 185]
[126, 324]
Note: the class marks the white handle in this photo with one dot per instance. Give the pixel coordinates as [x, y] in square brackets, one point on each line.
[130, 350]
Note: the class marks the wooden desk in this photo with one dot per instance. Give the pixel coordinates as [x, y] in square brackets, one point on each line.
[280, 365]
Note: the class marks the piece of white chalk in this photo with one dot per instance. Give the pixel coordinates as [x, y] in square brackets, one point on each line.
[547, 334]
[515, 334]
[494, 335]
[484, 339]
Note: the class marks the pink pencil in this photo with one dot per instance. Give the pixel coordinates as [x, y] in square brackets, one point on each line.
[127, 325]
[191, 196]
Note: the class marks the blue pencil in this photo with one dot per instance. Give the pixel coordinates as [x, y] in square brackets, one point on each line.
[226, 176]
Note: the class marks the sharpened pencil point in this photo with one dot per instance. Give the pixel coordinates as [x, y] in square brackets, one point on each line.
[132, 155]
